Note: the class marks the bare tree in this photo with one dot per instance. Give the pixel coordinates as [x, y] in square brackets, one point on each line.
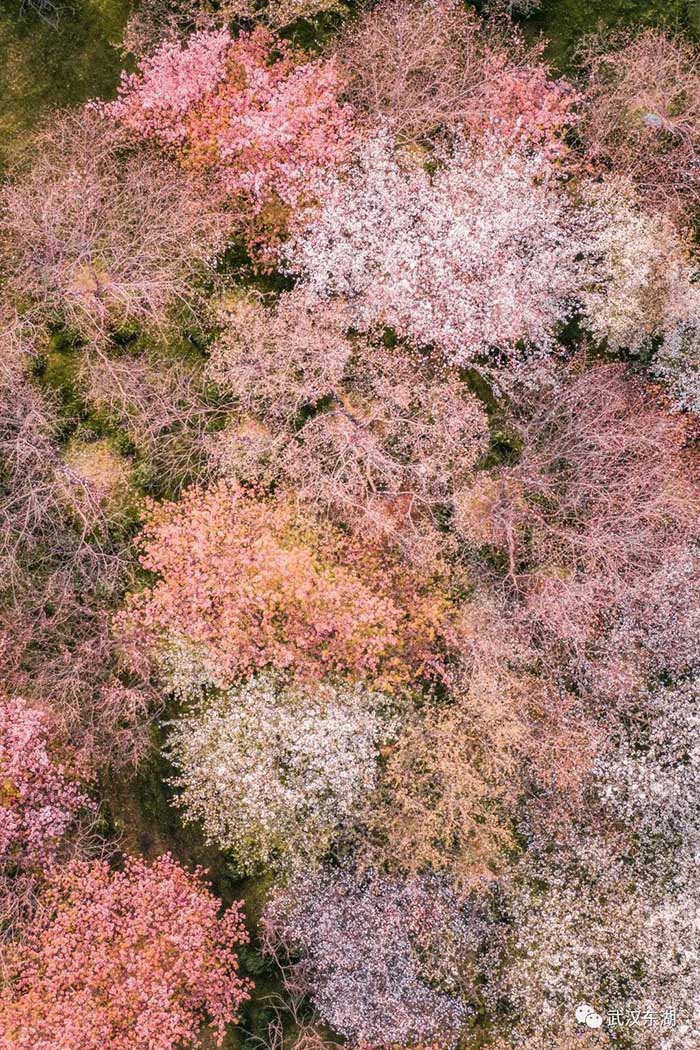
[427, 67]
[162, 404]
[62, 573]
[597, 500]
[642, 112]
[48, 10]
[96, 233]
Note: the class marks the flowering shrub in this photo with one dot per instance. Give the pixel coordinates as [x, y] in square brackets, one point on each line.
[275, 771]
[241, 589]
[481, 255]
[384, 962]
[354, 427]
[38, 803]
[133, 960]
[249, 109]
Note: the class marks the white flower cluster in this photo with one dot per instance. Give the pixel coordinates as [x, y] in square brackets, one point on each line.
[650, 778]
[671, 941]
[611, 922]
[274, 771]
[186, 668]
[483, 254]
[645, 284]
[384, 961]
[576, 931]
[677, 364]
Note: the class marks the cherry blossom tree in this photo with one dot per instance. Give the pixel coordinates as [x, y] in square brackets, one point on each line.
[316, 760]
[483, 254]
[45, 816]
[647, 775]
[156, 21]
[97, 233]
[574, 933]
[424, 68]
[589, 925]
[451, 780]
[646, 285]
[677, 365]
[384, 962]
[598, 499]
[135, 959]
[243, 584]
[40, 803]
[265, 125]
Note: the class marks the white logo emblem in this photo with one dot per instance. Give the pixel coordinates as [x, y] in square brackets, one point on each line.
[585, 1014]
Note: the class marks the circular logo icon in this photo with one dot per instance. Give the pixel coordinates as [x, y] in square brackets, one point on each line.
[585, 1014]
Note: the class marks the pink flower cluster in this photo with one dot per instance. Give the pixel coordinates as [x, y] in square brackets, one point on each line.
[157, 100]
[132, 960]
[37, 801]
[264, 126]
[522, 104]
[242, 588]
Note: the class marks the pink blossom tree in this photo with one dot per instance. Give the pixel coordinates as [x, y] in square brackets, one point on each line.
[39, 801]
[135, 960]
[260, 116]
[244, 584]
[45, 817]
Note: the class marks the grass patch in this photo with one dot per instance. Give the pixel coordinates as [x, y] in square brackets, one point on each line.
[565, 22]
[44, 66]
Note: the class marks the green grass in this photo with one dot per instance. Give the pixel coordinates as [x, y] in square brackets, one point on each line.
[564, 22]
[43, 66]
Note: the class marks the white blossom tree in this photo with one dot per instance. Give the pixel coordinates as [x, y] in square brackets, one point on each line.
[484, 253]
[384, 962]
[646, 282]
[274, 772]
